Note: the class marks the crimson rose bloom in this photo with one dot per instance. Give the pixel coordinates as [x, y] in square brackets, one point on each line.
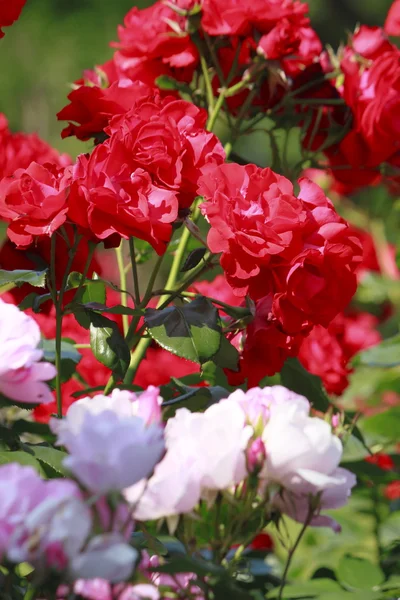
[10, 11]
[256, 223]
[35, 201]
[134, 183]
[266, 346]
[155, 41]
[274, 242]
[19, 150]
[112, 198]
[392, 23]
[92, 107]
[326, 352]
[234, 17]
[371, 68]
[167, 138]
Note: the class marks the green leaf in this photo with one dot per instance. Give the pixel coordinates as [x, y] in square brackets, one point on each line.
[309, 589]
[108, 344]
[359, 573]
[192, 331]
[34, 301]
[385, 425]
[94, 290]
[295, 377]
[40, 429]
[68, 350]
[19, 277]
[50, 456]
[227, 356]
[386, 354]
[354, 450]
[196, 399]
[22, 458]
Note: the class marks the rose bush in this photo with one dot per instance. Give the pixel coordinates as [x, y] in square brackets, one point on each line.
[199, 317]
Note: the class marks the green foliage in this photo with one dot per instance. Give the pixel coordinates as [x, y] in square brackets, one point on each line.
[296, 378]
[192, 331]
[108, 344]
[19, 277]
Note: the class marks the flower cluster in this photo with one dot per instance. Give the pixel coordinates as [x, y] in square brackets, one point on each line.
[248, 433]
[293, 255]
[135, 183]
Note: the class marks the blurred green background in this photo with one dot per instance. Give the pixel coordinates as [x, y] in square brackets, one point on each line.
[54, 40]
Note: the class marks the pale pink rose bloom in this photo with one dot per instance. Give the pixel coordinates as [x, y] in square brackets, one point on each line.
[55, 530]
[93, 589]
[302, 452]
[109, 447]
[303, 456]
[22, 376]
[21, 490]
[259, 403]
[205, 453]
[297, 506]
[107, 556]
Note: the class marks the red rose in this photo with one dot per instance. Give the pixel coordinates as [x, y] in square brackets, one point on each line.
[112, 198]
[392, 23]
[291, 37]
[371, 68]
[167, 138]
[266, 346]
[35, 201]
[92, 107]
[392, 490]
[320, 283]
[10, 11]
[19, 150]
[155, 40]
[256, 222]
[383, 461]
[326, 352]
[233, 17]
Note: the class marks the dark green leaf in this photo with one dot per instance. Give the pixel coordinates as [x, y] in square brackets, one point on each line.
[40, 429]
[192, 331]
[34, 301]
[295, 377]
[227, 356]
[385, 354]
[68, 351]
[94, 290]
[193, 259]
[19, 277]
[196, 399]
[50, 456]
[358, 573]
[108, 344]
